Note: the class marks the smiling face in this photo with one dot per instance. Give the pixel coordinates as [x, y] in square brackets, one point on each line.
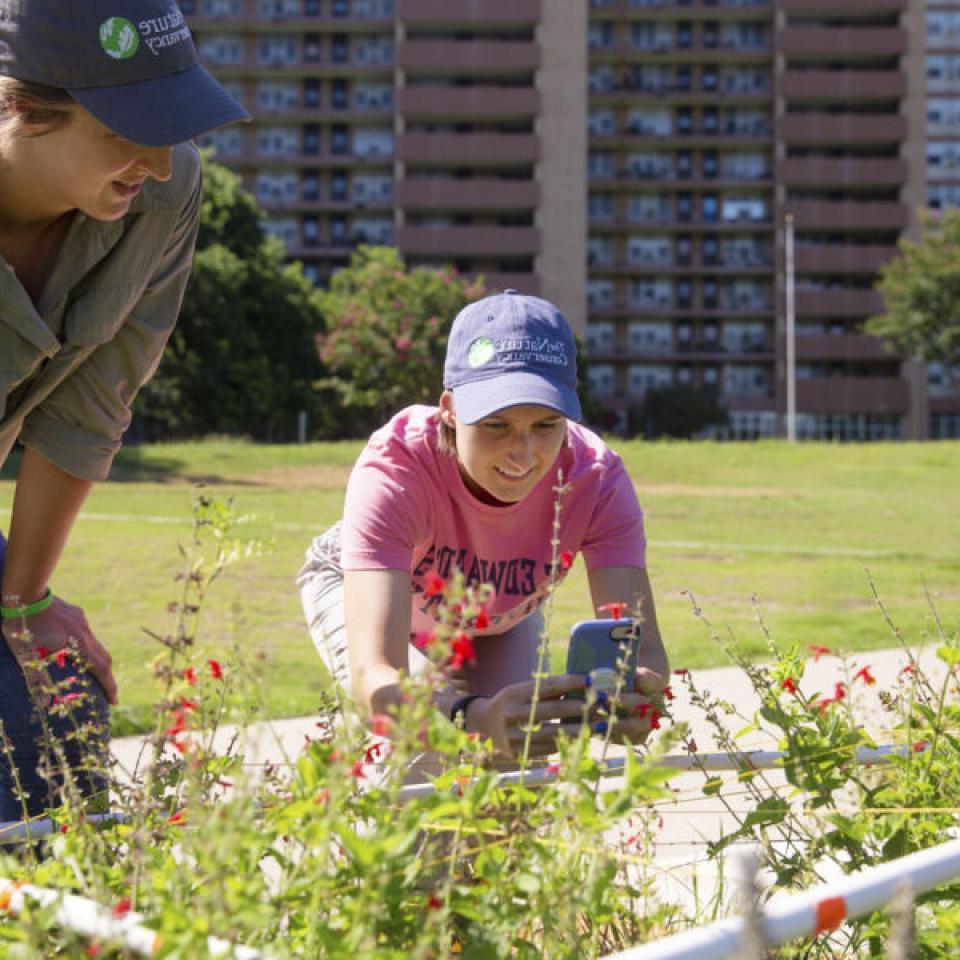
[79, 165]
[504, 456]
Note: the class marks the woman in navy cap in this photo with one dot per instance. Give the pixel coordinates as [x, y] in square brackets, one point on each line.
[99, 208]
[471, 486]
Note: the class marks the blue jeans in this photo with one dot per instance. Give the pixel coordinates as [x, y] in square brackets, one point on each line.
[79, 731]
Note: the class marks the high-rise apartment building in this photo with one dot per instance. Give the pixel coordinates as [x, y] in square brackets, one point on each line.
[445, 127]
[942, 67]
[634, 160]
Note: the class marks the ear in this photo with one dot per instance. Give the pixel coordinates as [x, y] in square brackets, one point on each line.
[448, 415]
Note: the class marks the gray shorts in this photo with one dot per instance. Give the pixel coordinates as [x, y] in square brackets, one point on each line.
[503, 659]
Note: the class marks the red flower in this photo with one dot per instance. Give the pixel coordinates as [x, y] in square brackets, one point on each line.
[789, 685]
[423, 640]
[481, 621]
[920, 746]
[553, 769]
[381, 724]
[906, 672]
[179, 724]
[66, 698]
[372, 752]
[93, 949]
[122, 907]
[62, 658]
[190, 675]
[681, 672]
[463, 652]
[434, 585]
[403, 343]
[667, 693]
[434, 903]
[643, 709]
[177, 819]
[654, 719]
[566, 560]
[614, 609]
[322, 797]
[356, 771]
[216, 671]
[187, 704]
[866, 676]
[42, 652]
[64, 828]
[819, 651]
[839, 692]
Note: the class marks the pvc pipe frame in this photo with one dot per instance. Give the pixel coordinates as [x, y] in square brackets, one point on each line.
[25, 831]
[814, 911]
[96, 922]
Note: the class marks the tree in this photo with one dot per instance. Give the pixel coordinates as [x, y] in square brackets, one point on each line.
[241, 359]
[679, 411]
[386, 332]
[921, 289]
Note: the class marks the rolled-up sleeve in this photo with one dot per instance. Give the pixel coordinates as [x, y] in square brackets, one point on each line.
[80, 424]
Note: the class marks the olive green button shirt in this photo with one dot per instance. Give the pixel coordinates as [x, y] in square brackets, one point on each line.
[71, 364]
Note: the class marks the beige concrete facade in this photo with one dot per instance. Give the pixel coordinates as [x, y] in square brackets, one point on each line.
[562, 170]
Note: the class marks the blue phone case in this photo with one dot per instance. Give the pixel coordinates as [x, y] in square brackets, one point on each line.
[604, 643]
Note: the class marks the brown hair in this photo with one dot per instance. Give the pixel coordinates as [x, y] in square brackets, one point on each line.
[45, 107]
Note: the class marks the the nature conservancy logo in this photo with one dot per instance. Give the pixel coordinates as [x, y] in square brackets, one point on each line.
[481, 352]
[120, 38]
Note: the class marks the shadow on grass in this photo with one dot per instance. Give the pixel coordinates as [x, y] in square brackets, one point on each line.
[131, 466]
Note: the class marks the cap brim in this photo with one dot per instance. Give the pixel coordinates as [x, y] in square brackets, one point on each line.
[165, 111]
[481, 398]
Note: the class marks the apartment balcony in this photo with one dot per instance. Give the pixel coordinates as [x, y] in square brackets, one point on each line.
[463, 102]
[838, 303]
[851, 127]
[457, 149]
[843, 84]
[824, 171]
[849, 42]
[468, 56]
[528, 283]
[839, 7]
[845, 346]
[848, 215]
[851, 258]
[459, 12]
[876, 395]
[468, 241]
[477, 194]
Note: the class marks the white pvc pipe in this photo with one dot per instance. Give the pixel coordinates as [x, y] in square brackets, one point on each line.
[753, 760]
[814, 911]
[20, 831]
[95, 922]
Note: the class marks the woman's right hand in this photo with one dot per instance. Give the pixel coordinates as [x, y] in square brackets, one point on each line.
[61, 626]
[504, 717]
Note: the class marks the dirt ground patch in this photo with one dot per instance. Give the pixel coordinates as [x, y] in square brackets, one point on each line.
[318, 475]
[688, 490]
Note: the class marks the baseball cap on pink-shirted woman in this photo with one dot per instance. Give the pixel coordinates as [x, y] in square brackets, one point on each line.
[510, 349]
[131, 63]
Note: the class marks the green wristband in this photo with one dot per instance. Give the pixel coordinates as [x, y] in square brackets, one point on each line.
[28, 609]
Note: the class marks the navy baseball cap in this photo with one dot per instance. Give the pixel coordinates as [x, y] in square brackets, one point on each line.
[131, 63]
[510, 349]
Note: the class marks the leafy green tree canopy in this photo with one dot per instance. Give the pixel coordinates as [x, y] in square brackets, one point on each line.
[241, 359]
[679, 411]
[921, 288]
[386, 332]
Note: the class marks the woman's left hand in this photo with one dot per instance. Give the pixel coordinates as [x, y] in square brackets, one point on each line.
[633, 714]
[61, 626]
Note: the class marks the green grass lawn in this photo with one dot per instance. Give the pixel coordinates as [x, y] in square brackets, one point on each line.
[796, 528]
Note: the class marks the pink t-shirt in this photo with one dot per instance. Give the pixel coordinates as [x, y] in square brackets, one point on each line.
[407, 508]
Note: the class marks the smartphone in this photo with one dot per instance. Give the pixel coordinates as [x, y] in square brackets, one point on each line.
[613, 644]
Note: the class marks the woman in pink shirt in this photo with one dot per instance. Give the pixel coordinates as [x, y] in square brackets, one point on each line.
[471, 485]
